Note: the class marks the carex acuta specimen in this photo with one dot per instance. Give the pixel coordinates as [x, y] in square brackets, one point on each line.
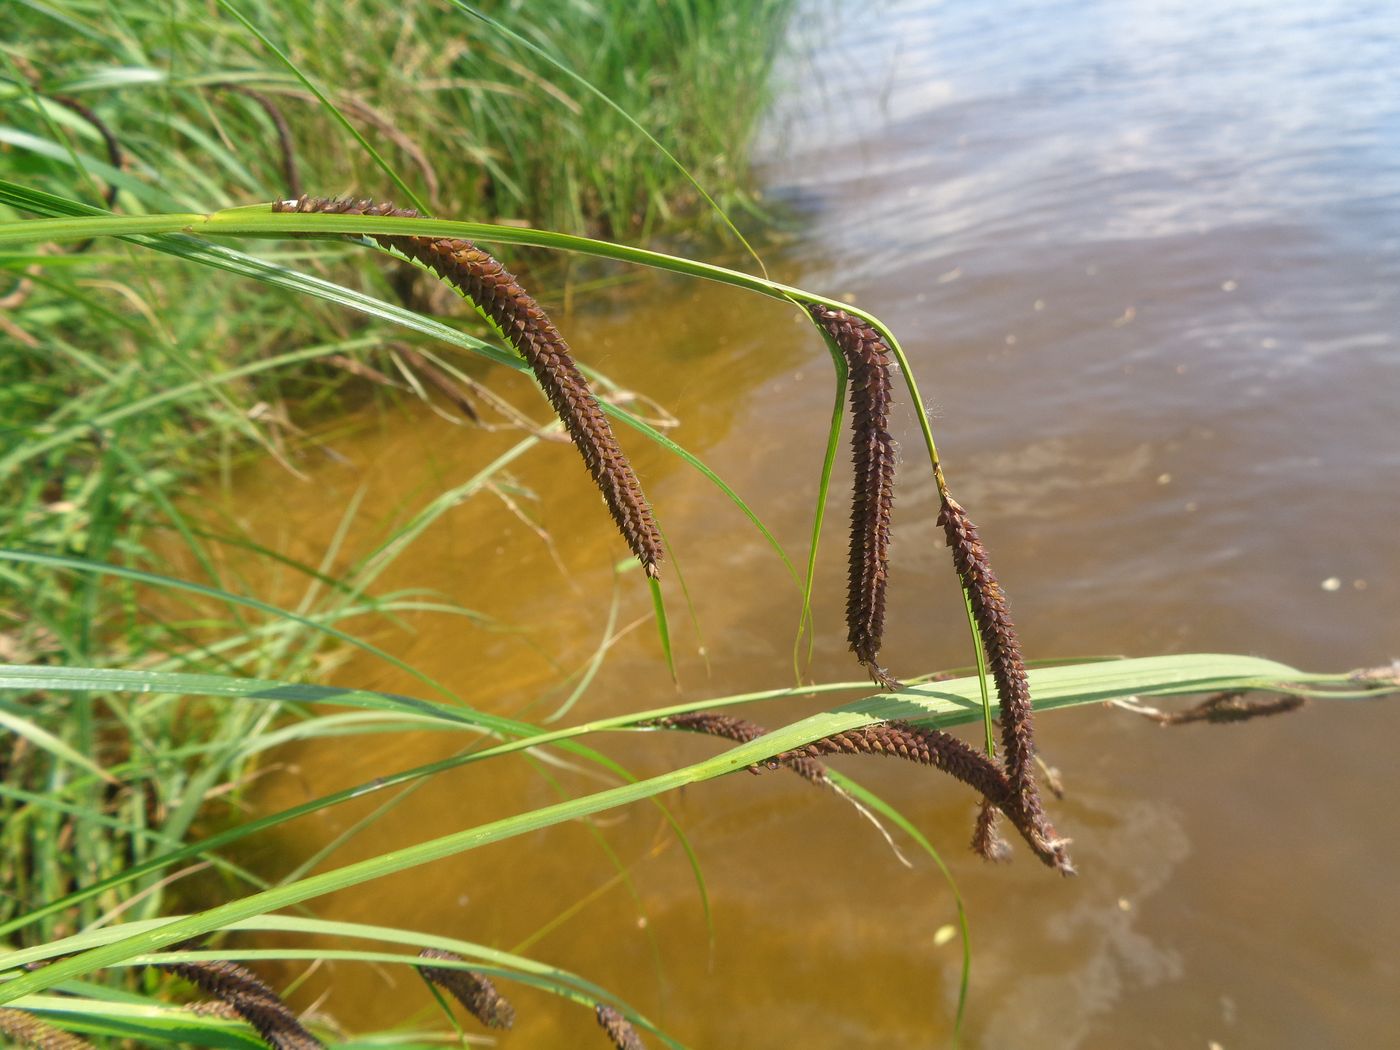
[1010, 790]
[872, 493]
[1228, 707]
[923, 745]
[248, 997]
[473, 990]
[928, 746]
[1008, 669]
[500, 297]
[741, 730]
[618, 1028]
[22, 1028]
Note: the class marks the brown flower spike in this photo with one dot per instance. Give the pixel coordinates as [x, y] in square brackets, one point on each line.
[872, 497]
[27, 1030]
[619, 1029]
[1004, 659]
[250, 998]
[921, 744]
[742, 731]
[943, 751]
[987, 842]
[1224, 708]
[499, 296]
[928, 747]
[469, 988]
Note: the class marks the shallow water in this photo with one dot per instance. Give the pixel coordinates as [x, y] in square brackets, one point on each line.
[1146, 261]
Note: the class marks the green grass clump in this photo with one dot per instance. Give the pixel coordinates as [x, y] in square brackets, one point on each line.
[127, 375]
[475, 122]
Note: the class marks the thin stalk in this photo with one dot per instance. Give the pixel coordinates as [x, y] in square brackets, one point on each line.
[987, 719]
[806, 623]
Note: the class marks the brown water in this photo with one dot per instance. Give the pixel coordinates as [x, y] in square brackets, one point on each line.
[1145, 258]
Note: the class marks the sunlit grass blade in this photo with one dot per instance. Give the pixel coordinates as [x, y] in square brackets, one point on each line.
[141, 1022]
[806, 622]
[26, 678]
[495, 962]
[940, 704]
[12, 720]
[658, 605]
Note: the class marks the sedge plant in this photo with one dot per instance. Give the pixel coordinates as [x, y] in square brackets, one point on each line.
[192, 698]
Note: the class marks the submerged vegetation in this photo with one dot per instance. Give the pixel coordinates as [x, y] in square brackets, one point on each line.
[136, 702]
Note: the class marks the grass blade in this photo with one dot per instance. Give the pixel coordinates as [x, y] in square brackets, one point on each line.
[940, 704]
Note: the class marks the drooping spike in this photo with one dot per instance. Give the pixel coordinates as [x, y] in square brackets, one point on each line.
[872, 495]
[525, 325]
